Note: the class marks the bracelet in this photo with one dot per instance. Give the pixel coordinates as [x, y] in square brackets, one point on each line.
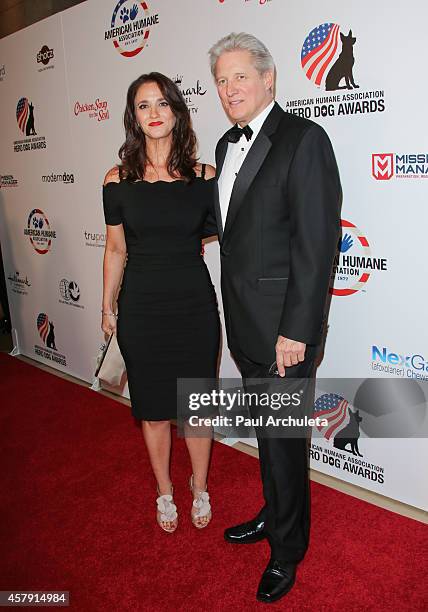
[111, 314]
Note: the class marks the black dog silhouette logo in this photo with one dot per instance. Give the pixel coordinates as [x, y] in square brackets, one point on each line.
[320, 61]
[340, 422]
[343, 66]
[349, 434]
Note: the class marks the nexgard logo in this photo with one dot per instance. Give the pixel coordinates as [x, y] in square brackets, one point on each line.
[408, 366]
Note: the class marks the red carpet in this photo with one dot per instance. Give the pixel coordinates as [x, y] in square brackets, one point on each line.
[78, 514]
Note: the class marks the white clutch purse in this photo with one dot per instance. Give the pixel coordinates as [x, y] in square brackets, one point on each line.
[111, 366]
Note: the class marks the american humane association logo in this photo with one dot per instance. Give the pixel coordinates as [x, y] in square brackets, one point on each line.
[39, 231]
[328, 61]
[25, 119]
[354, 264]
[49, 350]
[130, 27]
[342, 434]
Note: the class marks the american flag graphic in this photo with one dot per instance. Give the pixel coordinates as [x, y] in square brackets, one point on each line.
[318, 51]
[22, 113]
[43, 325]
[334, 409]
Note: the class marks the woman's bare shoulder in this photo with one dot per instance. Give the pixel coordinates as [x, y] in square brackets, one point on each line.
[112, 176]
[209, 170]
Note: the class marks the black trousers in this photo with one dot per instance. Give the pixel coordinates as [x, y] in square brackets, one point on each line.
[284, 472]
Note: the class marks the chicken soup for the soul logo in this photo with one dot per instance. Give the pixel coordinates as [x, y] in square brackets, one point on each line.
[386, 166]
[130, 26]
[93, 110]
[329, 60]
[354, 263]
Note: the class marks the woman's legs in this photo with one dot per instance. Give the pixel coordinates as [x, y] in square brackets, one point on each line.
[199, 448]
[157, 436]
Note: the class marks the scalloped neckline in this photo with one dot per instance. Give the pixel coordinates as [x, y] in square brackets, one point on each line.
[160, 181]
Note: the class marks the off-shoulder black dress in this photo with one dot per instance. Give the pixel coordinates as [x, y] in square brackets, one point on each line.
[168, 324]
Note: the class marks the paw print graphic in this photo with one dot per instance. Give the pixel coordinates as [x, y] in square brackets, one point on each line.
[38, 223]
[346, 243]
[134, 12]
[124, 14]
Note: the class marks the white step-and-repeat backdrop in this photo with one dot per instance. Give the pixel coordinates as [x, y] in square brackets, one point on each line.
[353, 67]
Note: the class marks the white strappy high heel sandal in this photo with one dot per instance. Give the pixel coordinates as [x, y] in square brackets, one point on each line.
[201, 501]
[167, 511]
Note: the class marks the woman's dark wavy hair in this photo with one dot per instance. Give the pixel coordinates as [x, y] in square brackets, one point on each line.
[182, 158]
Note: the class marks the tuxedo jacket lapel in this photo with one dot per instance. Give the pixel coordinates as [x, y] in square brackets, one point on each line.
[252, 163]
[220, 155]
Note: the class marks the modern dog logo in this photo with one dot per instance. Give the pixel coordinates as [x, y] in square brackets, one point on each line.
[66, 178]
[26, 123]
[130, 27]
[49, 351]
[39, 231]
[2, 72]
[354, 263]
[386, 166]
[328, 60]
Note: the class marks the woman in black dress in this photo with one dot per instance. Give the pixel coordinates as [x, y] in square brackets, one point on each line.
[158, 207]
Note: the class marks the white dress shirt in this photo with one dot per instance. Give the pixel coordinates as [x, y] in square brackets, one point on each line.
[235, 155]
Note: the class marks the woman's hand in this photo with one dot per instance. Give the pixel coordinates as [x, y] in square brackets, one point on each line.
[108, 324]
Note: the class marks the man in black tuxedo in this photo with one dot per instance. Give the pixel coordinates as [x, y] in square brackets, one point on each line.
[278, 216]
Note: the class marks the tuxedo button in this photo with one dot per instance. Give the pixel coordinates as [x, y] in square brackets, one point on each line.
[224, 252]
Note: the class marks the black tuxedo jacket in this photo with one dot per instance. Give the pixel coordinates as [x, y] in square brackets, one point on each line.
[280, 237]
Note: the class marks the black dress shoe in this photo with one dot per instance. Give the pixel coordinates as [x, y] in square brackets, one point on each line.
[277, 580]
[246, 533]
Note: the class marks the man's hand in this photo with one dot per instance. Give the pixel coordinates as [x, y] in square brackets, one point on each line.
[288, 353]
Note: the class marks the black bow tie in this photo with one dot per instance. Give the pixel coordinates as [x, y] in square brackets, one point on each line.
[235, 133]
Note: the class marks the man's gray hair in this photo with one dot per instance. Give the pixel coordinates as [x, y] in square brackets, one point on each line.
[263, 60]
